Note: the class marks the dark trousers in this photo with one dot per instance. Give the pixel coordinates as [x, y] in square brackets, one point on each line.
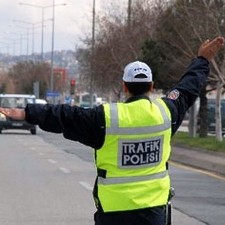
[150, 216]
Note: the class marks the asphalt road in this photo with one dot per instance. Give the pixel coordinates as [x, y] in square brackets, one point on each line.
[46, 179]
[199, 195]
[43, 185]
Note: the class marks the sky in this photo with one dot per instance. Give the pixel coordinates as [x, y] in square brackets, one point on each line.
[72, 22]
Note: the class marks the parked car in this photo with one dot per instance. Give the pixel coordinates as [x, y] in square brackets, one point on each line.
[15, 101]
[211, 119]
[211, 116]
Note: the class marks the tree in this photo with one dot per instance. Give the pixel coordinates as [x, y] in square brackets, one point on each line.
[155, 55]
[174, 30]
[119, 42]
[182, 27]
[24, 74]
[3, 83]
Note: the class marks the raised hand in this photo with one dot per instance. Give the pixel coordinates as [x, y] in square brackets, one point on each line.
[208, 49]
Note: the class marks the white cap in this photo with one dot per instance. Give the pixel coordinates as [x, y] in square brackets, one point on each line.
[133, 69]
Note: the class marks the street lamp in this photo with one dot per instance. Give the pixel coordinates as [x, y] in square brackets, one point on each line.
[42, 19]
[33, 27]
[92, 54]
[12, 45]
[53, 33]
[21, 37]
[53, 43]
[42, 23]
[6, 46]
[20, 41]
[14, 33]
[129, 14]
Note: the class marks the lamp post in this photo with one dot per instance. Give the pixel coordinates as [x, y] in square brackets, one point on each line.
[129, 14]
[6, 46]
[20, 39]
[27, 38]
[42, 24]
[53, 34]
[53, 43]
[33, 28]
[92, 54]
[2, 63]
[42, 19]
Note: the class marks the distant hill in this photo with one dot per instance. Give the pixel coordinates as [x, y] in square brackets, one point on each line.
[64, 58]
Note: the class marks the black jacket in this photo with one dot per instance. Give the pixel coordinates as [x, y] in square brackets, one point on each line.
[88, 125]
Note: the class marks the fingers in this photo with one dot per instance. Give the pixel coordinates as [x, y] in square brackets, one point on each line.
[216, 43]
[208, 49]
[18, 114]
[6, 112]
[220, 40]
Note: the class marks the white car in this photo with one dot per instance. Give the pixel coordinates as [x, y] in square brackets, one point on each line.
[15, 101]
[40, 101]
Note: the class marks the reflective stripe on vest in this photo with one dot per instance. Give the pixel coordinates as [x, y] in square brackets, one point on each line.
[115, 129]
[121, 180]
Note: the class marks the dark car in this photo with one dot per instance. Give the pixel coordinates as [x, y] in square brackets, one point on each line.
[211, 121]
[15, 101]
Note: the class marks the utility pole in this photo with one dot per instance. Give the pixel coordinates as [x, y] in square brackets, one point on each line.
[129, 15]
[52, 52]
[53, 35]
[32, 28]
[42, 23]
[92, 54]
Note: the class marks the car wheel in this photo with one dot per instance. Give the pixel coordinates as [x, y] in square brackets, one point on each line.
[0, 130]
[33, 131]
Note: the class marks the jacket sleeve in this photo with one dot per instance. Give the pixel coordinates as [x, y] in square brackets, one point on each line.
[75, 123]
[182, 96]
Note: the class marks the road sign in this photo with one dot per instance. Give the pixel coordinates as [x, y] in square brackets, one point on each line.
[52, 94]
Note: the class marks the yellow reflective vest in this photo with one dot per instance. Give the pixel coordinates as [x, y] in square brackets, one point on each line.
[134, 156]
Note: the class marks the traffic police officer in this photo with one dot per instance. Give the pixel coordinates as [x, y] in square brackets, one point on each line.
[131, 139]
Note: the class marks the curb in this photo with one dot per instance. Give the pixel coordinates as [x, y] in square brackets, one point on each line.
[210, 161]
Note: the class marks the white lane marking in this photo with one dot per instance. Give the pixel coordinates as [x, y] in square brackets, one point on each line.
[64, 170]
[52, 161]
[86, 185]
[41, 153]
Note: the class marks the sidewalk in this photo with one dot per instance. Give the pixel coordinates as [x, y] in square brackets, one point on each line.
[206, 160]
[209, 161]
[179, 218]
[201, 159]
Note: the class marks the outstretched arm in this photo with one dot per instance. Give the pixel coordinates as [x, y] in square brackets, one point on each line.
[17, 114]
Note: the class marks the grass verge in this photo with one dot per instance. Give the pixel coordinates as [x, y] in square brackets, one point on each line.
[209, 143]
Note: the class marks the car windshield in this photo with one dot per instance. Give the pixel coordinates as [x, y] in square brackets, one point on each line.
[15, 102]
